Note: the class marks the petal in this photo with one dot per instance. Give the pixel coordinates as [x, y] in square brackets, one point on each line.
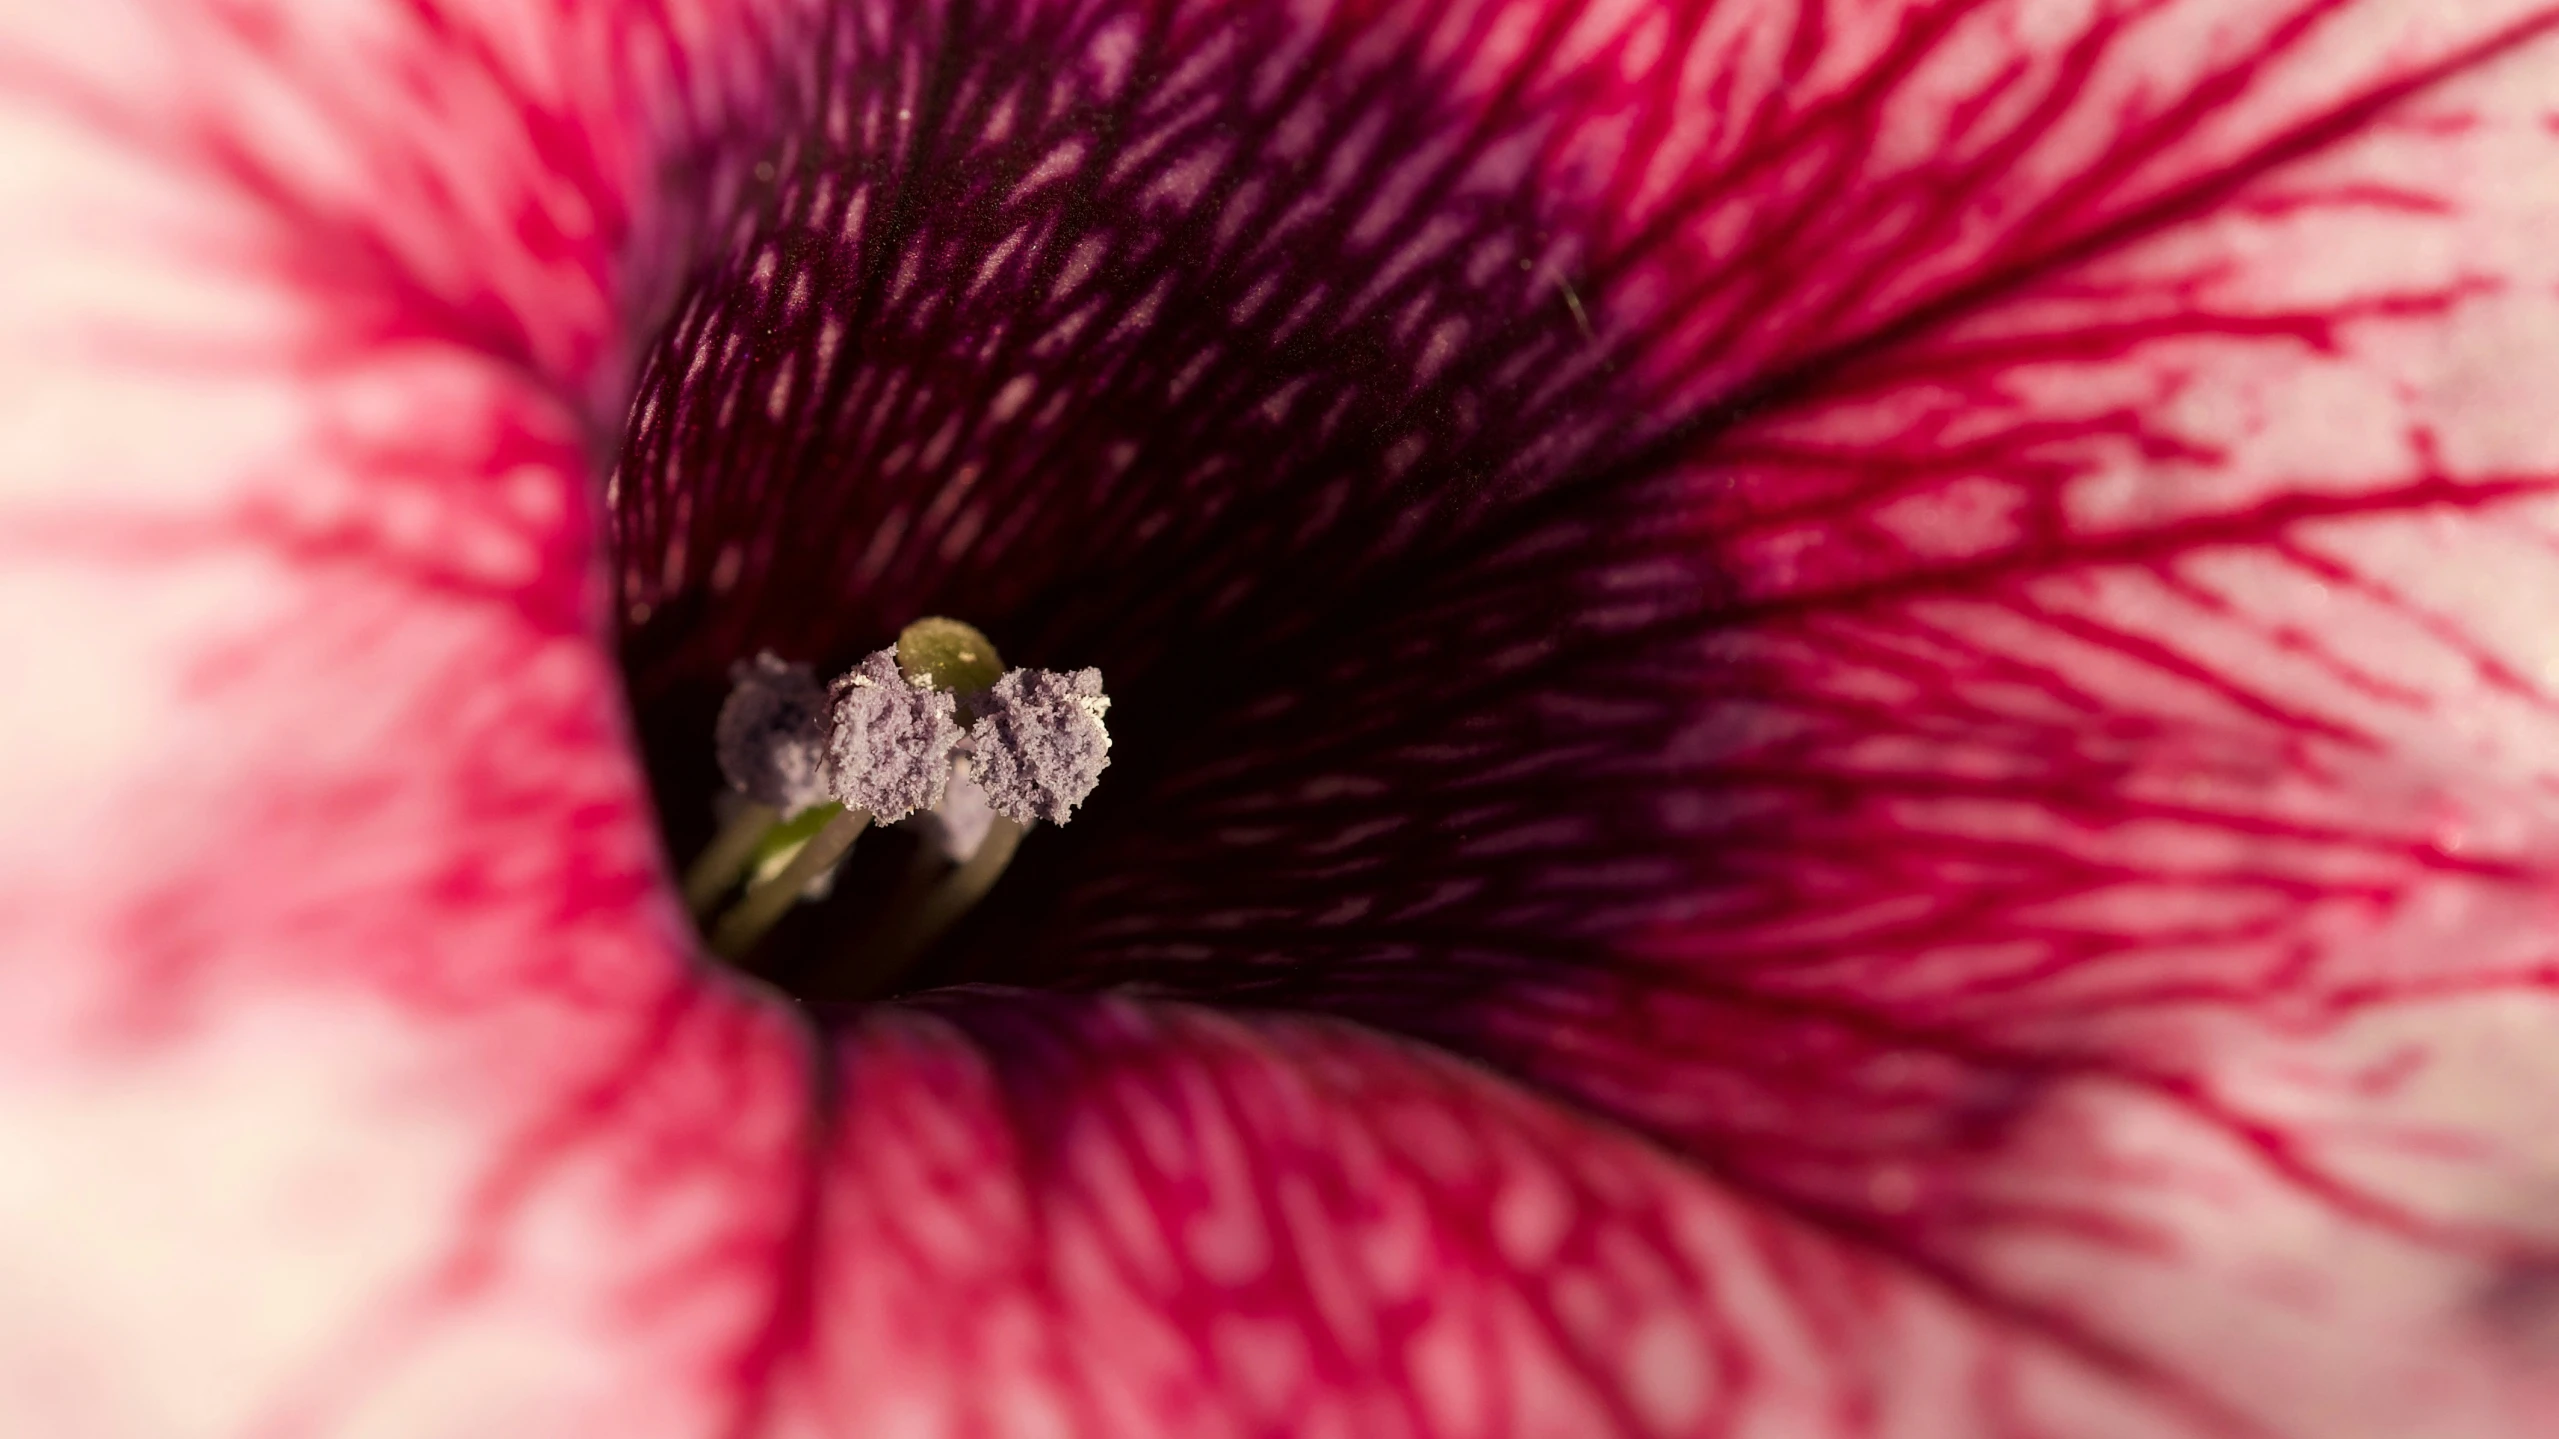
[2087, 828]
[333, 904]
[1059, 1217]
[361, 1082]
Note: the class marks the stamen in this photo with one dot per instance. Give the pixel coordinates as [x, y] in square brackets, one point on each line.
[770, 739]
[782, 843]
[715, 871]
[771, 734]
[923, 914]
[813, 768]
[767, 901]
[1037, 749]
[890, 749]
[1039, 745]
[888, 754]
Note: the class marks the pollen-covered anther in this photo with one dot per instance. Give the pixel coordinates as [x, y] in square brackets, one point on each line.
[1039, 746]
[888, 750]
[772, 734]
[770, 741]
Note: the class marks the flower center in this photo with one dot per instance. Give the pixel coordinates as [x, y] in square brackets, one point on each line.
[809, 769]
[1230, 357]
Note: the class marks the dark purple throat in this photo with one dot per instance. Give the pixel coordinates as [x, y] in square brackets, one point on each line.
[1210, 357]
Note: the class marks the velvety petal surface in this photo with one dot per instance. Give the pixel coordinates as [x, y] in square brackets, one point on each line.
[1906, 791]
[2097, 803]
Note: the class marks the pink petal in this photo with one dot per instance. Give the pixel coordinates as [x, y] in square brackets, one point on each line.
[357, 1077]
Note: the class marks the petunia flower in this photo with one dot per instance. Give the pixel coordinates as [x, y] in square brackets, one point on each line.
[1833, 717]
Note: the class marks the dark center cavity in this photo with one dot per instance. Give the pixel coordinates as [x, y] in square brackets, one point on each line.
[1214, 347]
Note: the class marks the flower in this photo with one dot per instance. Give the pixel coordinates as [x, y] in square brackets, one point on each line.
[1831, 719]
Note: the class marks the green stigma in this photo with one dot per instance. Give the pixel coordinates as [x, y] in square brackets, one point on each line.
[950, 655]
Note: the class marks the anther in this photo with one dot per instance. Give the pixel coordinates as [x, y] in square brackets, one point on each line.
[1039, 746]
[889, 748]
[770, 740]
[771, 734]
